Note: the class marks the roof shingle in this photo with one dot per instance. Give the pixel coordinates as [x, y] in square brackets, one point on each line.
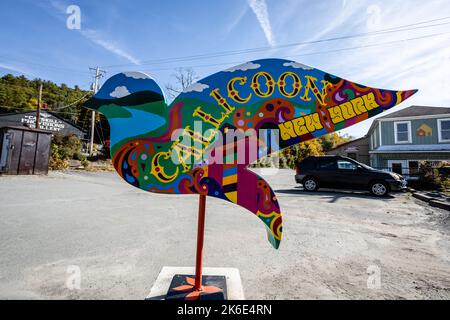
[415, 111]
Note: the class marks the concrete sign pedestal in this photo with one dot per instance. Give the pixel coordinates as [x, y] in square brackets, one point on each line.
[164, 280]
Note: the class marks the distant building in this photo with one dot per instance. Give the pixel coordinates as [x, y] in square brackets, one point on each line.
[357, 149]
[400, 140]
[49, 121]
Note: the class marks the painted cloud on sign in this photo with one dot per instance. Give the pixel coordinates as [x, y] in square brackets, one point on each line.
[244, 67]
[162, 149]
[296, 65]
[136, 75]
[120, 92]
[197, 87]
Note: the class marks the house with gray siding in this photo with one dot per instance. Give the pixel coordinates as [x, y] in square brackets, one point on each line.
[399, 141]
[357, 149]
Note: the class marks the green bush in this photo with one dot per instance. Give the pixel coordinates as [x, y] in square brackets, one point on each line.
[64, 148]
[56, 161]
[435, 176]
[85, 163]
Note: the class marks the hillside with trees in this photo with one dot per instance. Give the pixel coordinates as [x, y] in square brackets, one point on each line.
[18, 94]
[287, 158]
[313, 147]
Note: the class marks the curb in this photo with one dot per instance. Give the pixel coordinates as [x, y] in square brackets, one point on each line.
[431, 201]
[422, 197]
[440, 204]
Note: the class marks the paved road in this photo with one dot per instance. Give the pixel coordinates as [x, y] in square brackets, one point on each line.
[120, 238]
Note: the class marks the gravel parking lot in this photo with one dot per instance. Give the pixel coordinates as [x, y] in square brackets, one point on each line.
[336, 245]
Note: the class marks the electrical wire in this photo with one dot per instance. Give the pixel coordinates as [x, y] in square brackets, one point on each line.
[73, 103]
[60, 68]
[268, 48]
[313, 52]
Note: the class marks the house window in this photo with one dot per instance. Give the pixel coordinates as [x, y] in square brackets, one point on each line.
[444, 130]
[397, 168]
[413, 169]
[402, 132]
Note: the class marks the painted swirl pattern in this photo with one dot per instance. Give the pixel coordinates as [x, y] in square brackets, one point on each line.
[177, 149]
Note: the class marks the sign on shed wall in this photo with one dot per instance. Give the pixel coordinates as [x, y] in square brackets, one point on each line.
[48, 122]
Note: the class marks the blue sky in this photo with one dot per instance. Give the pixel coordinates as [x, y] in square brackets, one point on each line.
[137, 35]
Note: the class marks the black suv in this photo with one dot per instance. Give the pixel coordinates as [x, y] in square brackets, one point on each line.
[344, 173]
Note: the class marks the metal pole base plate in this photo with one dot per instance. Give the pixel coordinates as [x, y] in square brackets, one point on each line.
[182, 288]
[232, 287]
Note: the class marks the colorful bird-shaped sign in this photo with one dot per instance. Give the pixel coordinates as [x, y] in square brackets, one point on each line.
[204, 140]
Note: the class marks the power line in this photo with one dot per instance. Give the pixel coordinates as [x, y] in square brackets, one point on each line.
[315, 52]
[33, 88]
[73, 103]
[402, 28]
[43, 110]
[60, 68]
[298, 55]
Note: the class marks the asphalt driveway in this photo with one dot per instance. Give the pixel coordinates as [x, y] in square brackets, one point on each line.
[336, 245]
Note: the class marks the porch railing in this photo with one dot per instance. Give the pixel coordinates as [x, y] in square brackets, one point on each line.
[407, 173]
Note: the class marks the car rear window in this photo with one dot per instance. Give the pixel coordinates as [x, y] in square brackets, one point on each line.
[307, 164]
[326, 164]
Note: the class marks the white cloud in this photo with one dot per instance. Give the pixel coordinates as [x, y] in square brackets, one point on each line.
[197, 87]
[136, 75]
[333, 19]
[120, 92]
[232, 24]
[296, 65]
[417, 64]
[244, 67]
[96, 37]
[259, 8]
[15, 69]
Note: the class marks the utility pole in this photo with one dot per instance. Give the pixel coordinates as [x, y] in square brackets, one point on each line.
[98, 74]
[38, 110]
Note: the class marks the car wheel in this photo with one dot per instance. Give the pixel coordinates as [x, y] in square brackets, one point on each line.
[379, 188]
[310, 184]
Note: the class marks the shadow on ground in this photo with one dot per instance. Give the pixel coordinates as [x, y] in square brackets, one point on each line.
[334, 194]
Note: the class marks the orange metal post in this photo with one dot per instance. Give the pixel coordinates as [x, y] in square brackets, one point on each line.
[200, 237]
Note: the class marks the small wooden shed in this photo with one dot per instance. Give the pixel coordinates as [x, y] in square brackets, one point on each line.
[24, 150]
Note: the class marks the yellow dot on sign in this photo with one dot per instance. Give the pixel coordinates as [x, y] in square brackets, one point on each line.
[204, 187]
[225, 130]
[137, 143]
[248, 113]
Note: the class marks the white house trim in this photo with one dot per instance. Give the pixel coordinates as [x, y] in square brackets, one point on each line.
[430, 116]
[372, 143]
[408, 151]
[406, 165]
[379, 133]
[439, 130]
[409, 132]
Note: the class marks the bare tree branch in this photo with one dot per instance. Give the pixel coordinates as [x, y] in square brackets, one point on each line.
[184, 77]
